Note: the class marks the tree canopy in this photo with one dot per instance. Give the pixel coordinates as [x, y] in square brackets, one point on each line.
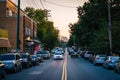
[91, 30]
[46, 31]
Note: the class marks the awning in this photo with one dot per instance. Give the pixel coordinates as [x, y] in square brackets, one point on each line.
[37, 41]
[29, 39]
[4, 42]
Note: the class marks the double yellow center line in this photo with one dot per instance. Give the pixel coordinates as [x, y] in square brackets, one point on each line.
[64, 72]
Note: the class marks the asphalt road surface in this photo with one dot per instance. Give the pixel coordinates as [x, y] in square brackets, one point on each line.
[80, 69]
[48, 70]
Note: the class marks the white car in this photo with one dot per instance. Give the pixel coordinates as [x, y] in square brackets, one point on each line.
[58, 55]
[110, 62]
[99, 59]
[87, 54]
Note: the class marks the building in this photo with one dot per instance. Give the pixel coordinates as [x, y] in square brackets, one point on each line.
[64, 39]
[27, 29]
[4, 41]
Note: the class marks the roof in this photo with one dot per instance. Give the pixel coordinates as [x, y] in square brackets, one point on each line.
[4, 42]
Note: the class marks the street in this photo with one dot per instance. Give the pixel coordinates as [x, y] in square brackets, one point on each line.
[48, 70]
[80, 69]
[76, 69]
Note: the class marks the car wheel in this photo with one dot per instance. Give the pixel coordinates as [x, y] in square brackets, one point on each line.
[20, 67]
[4, 74]
[77, 56]
[15, 69]
[35, 63]
[115, 70]
[38, 63]
[27, 66]
[94, 63]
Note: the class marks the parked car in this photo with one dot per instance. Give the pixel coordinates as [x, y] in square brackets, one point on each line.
[117, 66]
[39, 57]
[70, 51]
[44, 54]
[35, 60]
[99, 59]
[12, 61]
[58, 55]
[88, 53]
[61, 50]
[82, 53]
[74, 54]
[110, 62]
[26, 60]
[2, 70]
[92, 57]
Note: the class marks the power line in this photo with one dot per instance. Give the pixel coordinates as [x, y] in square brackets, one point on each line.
[59, 4]
[45, 4]
[42, 4]
[24, 2]
[35, 3]
[30, 3]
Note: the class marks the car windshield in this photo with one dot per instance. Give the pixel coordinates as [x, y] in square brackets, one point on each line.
[38, 55]
[42, 52]
[58, 54]
[101, 55]
[23, 56]
[7, 57]
[32, 56]
[90, 53]
[114, 58]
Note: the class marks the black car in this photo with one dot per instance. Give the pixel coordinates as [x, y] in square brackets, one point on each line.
[70, 51]
[35, 60]
[2, 70]
[26, 60]
[39, 57]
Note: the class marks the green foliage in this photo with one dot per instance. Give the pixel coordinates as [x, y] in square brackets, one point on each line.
[46, 32]
[115, 35]
[30, 12]
[91, 30]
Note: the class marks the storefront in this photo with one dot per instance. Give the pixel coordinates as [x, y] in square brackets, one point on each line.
[32, 45]
[4, 45]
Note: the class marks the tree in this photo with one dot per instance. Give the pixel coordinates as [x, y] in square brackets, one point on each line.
[46, 32]
[91, 30]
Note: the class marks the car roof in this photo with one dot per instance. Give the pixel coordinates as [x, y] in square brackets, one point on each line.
[9, 54]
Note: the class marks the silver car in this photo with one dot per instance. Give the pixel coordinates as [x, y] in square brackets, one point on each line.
[99, 59]
[12, 61]
[44, 54]
[110, 62]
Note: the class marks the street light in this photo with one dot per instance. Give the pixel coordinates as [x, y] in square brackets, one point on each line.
[109, 27]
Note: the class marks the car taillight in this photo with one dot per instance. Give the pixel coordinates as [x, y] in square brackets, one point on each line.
[110, 61]
[97, 58]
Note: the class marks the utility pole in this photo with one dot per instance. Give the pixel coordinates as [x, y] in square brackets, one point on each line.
[47, 14]
[17, 27]
[109, 27]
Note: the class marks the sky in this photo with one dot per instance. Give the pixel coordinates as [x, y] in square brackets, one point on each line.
[62, 12]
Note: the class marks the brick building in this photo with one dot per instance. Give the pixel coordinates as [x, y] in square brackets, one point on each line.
[27, 29]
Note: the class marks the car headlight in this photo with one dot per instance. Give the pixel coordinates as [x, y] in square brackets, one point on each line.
[10, 64]
[33, 59]
[24, 60]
